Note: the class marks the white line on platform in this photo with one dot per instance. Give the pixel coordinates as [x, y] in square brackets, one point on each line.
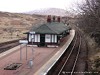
[46, 67]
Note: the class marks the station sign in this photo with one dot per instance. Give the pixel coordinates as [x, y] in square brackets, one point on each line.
[23, 41]
[32, 32]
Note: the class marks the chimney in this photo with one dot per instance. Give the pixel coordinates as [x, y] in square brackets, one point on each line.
[54, 18]
[49, 18]
[58, 19]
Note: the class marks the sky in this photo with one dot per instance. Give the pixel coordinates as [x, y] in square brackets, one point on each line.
[30, 5]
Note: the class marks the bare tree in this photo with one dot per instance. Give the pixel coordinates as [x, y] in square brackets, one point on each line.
[90, 18]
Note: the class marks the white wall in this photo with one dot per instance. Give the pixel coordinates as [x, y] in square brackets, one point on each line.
[35, 38]
[47, 38]
[55, 38]
[51, 38]
[38, 37]
[30, 37]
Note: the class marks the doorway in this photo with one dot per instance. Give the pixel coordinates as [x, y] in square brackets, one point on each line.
[42, 39]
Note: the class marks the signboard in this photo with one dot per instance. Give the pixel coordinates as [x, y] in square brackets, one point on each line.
[32, 32]
[23, 41]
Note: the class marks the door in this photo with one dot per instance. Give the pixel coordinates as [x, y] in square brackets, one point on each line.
[42, 39]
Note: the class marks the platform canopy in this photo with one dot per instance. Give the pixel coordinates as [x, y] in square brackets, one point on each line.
[50, 28]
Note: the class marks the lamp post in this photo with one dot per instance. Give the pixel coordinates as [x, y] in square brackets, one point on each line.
[23, 42]
[26, 51]
[20, 52]
[30, 63]
[32, 40]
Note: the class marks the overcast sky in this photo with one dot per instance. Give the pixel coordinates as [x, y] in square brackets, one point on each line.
[29, 5]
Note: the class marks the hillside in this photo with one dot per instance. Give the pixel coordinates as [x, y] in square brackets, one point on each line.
[13, 25]
[51, 11]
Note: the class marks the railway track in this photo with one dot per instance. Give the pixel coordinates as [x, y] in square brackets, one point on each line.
[8, 45]
[67, 64]
[70, 63]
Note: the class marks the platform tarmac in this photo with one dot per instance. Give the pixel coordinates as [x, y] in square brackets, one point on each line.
[41, 56]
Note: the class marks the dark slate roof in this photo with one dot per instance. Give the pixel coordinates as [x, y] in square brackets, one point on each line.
[50, 28]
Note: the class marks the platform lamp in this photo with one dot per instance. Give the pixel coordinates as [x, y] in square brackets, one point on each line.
[25, 42]
[32, 40]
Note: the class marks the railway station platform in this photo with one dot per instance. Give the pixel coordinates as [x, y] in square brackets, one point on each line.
[43, 58]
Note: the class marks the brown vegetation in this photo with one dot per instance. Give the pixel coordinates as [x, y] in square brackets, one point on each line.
[13, 25]
[89, 21]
